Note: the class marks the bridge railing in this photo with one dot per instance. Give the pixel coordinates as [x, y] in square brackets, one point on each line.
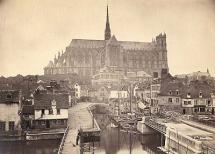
[63, 140]
[155, 125]
[94, 120]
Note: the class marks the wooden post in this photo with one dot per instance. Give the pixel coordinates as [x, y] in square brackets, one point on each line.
[169, 142]
[178, 140]
[130, 97]
[130, 142]
[118, 103]
[93, 120]
[118, 136]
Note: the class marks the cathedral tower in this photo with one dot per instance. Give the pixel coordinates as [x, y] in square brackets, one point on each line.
[107, 28]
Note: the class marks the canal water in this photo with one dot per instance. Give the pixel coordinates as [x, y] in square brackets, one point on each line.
[113, 141]
[117, 141]
[32, 147]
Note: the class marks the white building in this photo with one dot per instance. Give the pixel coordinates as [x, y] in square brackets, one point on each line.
[139, 76]
[106, 76]
[121, 94]
[9, 110]
[50, 110]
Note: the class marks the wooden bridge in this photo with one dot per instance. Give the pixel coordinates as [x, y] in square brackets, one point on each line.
[80, 116]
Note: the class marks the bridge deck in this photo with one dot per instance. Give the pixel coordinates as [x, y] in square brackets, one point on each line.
[79, 117]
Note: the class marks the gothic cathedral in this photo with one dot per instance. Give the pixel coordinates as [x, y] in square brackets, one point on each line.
[87, 57]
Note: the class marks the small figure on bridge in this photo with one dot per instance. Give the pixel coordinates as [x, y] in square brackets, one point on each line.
[77, 138]
[78, 135]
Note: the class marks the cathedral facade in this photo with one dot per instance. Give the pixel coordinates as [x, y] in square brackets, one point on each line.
[87, 57]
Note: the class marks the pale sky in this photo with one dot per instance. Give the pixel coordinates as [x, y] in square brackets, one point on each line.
[33, 31]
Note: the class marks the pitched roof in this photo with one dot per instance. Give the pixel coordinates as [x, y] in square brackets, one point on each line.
[43, 100]
[194, 89]
[85, 43]
[172, 86]
[9, 96]
[113, 40]
[137, 45]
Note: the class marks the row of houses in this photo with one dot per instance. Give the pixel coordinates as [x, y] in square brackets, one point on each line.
[45, 109]
[172, 94]
[197, 97]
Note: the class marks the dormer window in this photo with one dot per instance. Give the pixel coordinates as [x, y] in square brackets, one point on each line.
[200, 94]
[170, 92]
[177, 92]
[188, 95]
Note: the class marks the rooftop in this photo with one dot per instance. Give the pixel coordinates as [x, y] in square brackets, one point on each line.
[179, 88]
[9, 96]
[44, 100]
[86, 43]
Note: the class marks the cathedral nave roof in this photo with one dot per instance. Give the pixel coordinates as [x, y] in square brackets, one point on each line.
[85, 43]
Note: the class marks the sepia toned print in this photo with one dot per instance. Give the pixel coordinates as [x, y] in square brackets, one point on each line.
[107, 77]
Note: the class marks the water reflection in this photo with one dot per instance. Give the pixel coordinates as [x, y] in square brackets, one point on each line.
[116, 141]
[30, 147]
[113, 141]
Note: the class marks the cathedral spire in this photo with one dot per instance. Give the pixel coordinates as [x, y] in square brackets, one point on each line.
[107, 28]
